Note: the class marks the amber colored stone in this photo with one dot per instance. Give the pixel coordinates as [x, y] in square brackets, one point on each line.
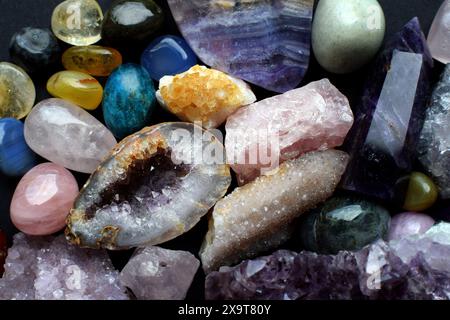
[94, 60]
[3, 251]
[421, 194]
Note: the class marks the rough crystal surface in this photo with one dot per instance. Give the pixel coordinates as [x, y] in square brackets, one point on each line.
[49, 268]
[263, 42]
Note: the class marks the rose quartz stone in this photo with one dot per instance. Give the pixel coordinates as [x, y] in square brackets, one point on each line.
[262, 135]
[408, 224]
[43, 199]
[439, 36]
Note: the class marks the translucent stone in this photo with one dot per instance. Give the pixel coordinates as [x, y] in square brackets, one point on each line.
[421, 192]
[408, 224]
[17, 91]
[78, 22]
[439, 35]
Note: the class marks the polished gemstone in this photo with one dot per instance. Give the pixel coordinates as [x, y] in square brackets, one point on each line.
[76, 87]
[34, 49]
[67, 135]
[16, 158]
[156, 185]
[3, 251]
[129, 100]
[344, 224]
[265, 42]
[416, 192]
[17, 92]
[168, 56]
[271, 131]
[159, 274]
[129, 21]
[408, 224]
[94, 60]
[390, 116]
[43, 199]
[204, 96]
[258, 217]
[78, 22]
[439, 36]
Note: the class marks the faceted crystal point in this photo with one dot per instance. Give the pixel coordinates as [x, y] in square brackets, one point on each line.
[153, 187]
[314, 117]
[439, 35]
[434, 143]
[159, 274]
[390, 116]
[257, 216]
[229, 35]
[204, 96]
[408, 224]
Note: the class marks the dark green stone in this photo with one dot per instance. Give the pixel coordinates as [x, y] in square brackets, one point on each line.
[344, 224]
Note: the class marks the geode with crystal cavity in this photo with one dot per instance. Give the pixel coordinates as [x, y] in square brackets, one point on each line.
[153, 187]
[255, 217]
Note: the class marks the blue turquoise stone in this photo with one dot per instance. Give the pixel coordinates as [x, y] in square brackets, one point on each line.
[16, 158]
[129, 100]
[168, 56]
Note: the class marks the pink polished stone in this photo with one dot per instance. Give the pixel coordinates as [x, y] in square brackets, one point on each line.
[439, 36]
[261, 136]
[408, 224]
[43, 199]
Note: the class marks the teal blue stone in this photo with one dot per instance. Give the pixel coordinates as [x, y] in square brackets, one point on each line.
[16, 158]
[129, 100]
[344, 224]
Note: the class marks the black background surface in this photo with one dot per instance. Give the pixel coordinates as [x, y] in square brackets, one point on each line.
[15, 14]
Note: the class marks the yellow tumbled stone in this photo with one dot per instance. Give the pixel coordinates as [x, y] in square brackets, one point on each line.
[77, 87]
[422, 193]
[17, 91]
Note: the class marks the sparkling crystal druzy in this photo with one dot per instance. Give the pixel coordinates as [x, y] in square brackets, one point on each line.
[439, 35]
[263, 42]
[434, 143]
[314, 117]
[153, 187]
[204, 96]
[390, 116]
[258, 216]
[3, 251]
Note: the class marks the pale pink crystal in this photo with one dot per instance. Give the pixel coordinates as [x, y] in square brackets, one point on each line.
[439, 35]
[267, 133]
[43, 199]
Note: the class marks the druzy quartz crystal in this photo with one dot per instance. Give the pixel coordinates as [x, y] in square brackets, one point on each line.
[153, 187]
[263, 42]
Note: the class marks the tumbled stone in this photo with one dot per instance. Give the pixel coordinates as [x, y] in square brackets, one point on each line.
[78, 22]
[416, 192]
[204, 96]
[439, 35]
[344, 223]
[48, 268]
[271, 131]
[3, 251]
[228, 36]
[153, 187]
[67, 135]
[409, 223]
[77, 87]
[159, 274]
[256, 217]
[390, 116]
[17, 92]
[94, 60]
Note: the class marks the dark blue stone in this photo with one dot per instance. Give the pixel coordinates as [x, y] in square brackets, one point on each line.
[129, 100]
[16, 158]
[168, 56]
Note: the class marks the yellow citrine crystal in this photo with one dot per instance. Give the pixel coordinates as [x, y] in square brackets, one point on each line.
[204, 96]
[77, 87]
[95, 60]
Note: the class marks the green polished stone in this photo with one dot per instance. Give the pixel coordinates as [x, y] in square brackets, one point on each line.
[344, 224]
[421, 192]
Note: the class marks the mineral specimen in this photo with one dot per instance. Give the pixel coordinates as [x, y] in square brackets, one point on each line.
[3, 251]
[76, 87]
[269, 132]
[410, 268]
[434, 143]
[204, 96]
[17, 92]
[153, 187]
[390, 116]
[416, 192]
[67, 135]
[264, 42]
[346, 34]
[408, 224]
[159, 274]
[439, 35]
[255, 218]
[43, 199]
[50, 269]
[344, 223]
